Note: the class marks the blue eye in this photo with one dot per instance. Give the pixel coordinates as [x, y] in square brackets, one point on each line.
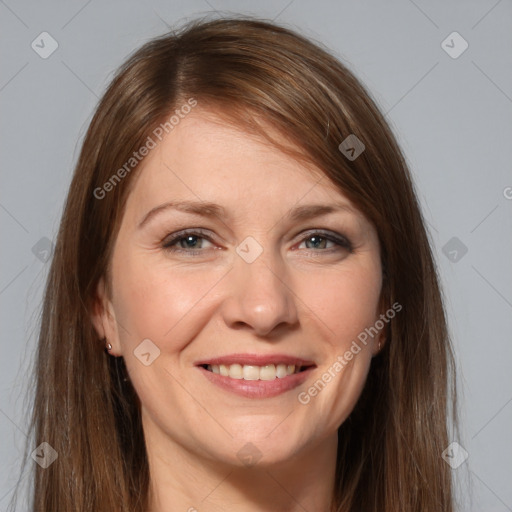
[192, 242]
[319, 241]
[189, 242]
[186, 241]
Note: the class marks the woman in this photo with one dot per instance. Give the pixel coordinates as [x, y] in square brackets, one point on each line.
[242, 310]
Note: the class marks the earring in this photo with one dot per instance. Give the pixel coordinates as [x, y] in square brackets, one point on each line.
[109, 346]
[378, 346]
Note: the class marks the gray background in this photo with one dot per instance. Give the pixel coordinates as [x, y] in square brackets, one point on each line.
[452, 117]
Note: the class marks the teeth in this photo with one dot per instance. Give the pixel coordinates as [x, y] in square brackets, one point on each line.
[268, 372]
[281, 370]
[252, 372]
[235, 371]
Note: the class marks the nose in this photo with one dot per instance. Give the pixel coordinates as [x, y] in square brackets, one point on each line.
[259, 298]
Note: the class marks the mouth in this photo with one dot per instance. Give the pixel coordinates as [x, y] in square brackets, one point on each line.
[256, 376]
[254, 372]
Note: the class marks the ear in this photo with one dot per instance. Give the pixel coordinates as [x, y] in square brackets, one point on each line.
[379, 341]
[103, 317]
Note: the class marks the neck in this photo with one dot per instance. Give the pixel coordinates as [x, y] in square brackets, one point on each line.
[185, 481]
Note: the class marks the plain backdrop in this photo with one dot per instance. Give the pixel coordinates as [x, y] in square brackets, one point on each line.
[450, 107]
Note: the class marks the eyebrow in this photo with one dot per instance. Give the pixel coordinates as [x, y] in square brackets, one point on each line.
[207, 209]
[202, 208]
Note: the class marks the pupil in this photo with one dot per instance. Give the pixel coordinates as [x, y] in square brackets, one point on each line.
[191, 240]
[317, 240]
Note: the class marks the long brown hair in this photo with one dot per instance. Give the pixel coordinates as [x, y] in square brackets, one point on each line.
[389, 450]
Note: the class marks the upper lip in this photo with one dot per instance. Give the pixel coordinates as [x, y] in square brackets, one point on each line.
[256, 360]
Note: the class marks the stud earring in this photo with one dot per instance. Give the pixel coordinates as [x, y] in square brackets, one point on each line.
[109, 346]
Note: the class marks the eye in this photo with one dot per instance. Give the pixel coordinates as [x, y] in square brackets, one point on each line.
[187, 241]
[194, 242]
[320, 241]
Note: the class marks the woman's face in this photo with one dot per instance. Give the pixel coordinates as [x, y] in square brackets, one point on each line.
[233, 263]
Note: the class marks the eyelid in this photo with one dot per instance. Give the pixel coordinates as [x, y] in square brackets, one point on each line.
[172, 238]
[341, 241]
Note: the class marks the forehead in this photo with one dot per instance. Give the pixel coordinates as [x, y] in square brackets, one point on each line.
[207, 158]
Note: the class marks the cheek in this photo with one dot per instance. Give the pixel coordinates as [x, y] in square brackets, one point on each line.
[165, 304]
[343, 303]
[161, 303]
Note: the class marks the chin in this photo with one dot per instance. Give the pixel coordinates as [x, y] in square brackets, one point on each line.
[261, 448]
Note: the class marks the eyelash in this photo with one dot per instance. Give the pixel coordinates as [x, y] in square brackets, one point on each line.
[341, 241]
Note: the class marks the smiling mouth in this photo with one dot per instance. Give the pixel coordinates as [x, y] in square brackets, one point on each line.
[253, 372]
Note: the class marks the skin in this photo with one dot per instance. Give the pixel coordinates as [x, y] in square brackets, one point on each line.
[302, 296]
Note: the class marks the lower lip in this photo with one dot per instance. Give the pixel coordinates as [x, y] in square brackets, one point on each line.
[257, 388]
